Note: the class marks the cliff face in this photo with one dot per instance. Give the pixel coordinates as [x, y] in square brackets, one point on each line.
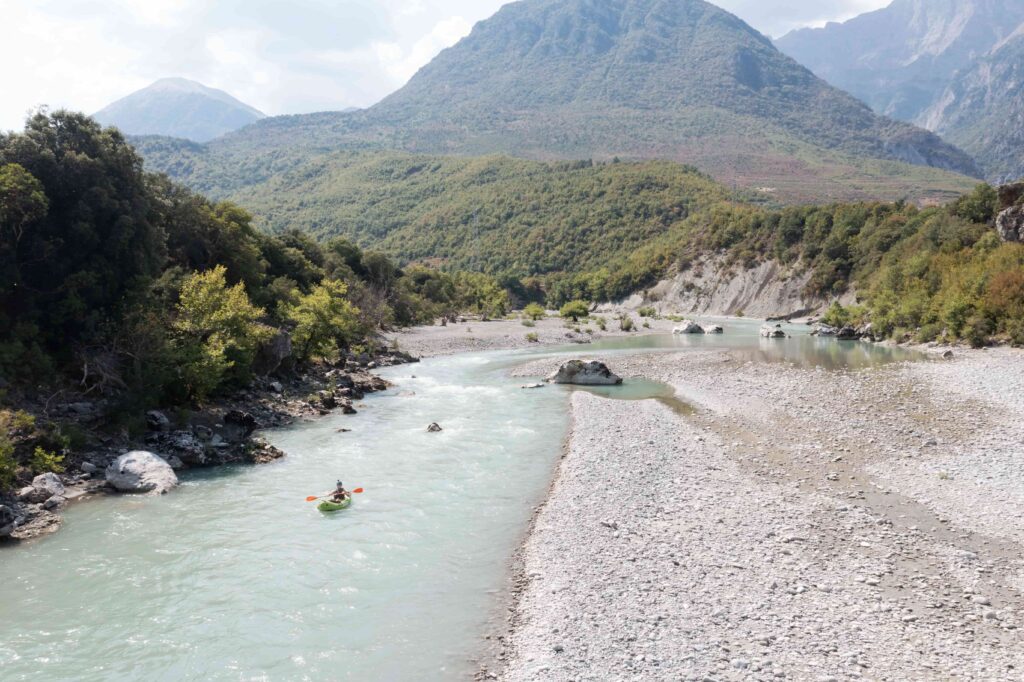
[901, 59]
[982, 110]
[710, 288]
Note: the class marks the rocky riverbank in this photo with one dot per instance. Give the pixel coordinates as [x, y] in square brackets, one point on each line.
[223, 432]
[803, 524]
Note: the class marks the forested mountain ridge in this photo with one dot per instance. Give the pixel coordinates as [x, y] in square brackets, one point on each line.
[636, 79]
[177, 107]
[946, 65]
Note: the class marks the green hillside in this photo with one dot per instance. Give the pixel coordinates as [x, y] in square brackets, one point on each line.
[581, 230]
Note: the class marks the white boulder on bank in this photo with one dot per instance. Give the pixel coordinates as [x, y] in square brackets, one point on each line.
[141, 472]
[688, 327]
[585, 374]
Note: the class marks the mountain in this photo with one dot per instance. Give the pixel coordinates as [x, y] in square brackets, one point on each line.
[982, 110]
[900, 59]
[672, 79]
[177, 107]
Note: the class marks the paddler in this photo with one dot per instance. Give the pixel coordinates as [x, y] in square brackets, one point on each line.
[339, 494]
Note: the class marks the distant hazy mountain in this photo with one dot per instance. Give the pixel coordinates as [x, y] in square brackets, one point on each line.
[176, 107]
[672, 79]
[952, 66]
[982, 110]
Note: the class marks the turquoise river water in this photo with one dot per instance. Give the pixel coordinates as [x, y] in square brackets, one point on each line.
[233, 576]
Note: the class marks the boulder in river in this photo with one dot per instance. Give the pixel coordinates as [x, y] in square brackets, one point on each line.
[773, 332]
[585, 374]
[688, 327]
[434, 428]
[141, 472]
[714, 329]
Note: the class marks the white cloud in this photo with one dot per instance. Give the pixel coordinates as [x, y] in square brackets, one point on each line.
[300, 56]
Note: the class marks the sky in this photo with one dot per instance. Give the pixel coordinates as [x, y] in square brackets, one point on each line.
[280, 57]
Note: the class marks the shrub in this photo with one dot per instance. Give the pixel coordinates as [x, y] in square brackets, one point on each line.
[532, 337]
[647, 311]
[529, 323]
[626, 323]
[647, 325]
[574, 310]
[44, 460]
[601, 323]
[534, 311]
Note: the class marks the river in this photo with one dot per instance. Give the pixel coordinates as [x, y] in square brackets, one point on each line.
[233, 576]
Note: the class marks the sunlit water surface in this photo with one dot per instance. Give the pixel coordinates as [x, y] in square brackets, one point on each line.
[233, 576]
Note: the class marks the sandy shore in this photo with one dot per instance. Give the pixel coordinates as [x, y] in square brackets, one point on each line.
[471, 336]
[803, 524]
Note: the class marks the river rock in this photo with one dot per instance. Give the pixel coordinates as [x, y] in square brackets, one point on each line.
[141, 472]
[585, 374]
[44, 486]
[822, 329]
[157, 421]
[54, 502]
[238, 426]
[1010, 224]
[186, 445]
[688, 327]
[714, 329]
[7, 520]
[434, 428]
[773, 332]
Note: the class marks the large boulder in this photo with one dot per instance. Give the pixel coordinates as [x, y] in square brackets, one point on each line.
[44, 486]
[714, 329]
[1010, 224]
[770, 332]
[141, 472]
[688, 327]
[822, 329]
[585, 374]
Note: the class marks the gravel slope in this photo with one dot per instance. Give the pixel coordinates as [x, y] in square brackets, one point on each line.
[804, 525]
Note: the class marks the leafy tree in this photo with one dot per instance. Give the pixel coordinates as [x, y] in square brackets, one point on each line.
[218, 331]
[22, 202]
[574, 310]
[325, 320]
[481, 294]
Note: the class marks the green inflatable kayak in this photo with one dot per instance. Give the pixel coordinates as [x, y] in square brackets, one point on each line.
[329, 506]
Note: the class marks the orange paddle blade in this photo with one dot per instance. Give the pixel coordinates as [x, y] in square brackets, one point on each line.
[358, 490]
[312, 498]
